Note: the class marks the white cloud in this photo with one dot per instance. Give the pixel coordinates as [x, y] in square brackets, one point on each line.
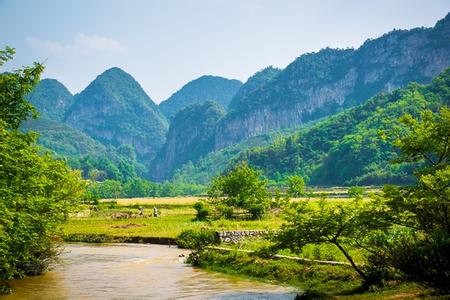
[80, 44]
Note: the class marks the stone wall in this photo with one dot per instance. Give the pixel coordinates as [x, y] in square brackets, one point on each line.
[234, 236]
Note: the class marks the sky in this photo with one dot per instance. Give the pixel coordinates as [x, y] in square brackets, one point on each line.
[164, 44]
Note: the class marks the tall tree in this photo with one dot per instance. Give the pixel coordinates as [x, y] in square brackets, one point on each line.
[242, 189]
[37, 192]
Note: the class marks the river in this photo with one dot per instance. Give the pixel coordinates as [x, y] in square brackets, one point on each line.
[130, 271]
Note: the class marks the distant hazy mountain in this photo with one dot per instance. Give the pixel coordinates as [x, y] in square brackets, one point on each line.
[51, 98]
[320, 84]
[202, 89]
[115, 110]
[189, 138]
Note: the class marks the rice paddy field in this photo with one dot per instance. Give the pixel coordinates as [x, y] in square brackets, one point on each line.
[120, 218]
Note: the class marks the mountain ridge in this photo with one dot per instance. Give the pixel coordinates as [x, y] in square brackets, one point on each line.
[202, 89]
[114, 109]
[322, 83]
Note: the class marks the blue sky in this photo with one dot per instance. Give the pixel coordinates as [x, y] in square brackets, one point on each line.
[166, 43]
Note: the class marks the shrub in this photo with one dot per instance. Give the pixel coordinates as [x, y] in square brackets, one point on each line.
[356, 192]
[197, 239]
[203, 210]
[412, 257]
[296, 186]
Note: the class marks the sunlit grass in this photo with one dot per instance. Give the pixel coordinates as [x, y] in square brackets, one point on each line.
[172, 220]
[175, 215]
[326, 252]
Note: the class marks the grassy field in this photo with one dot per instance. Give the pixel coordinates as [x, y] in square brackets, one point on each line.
[175, 215]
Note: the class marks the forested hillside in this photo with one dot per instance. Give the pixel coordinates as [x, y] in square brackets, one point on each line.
[51, 99]
[256, 81]
[350, 147]
[182, 144]
[115, 110]
[63, 140]
[215, 163]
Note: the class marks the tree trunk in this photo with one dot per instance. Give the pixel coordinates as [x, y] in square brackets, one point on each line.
[349, 258]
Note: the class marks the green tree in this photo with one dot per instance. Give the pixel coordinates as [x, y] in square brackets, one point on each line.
[36, 192]
[343, 225]
[107, 189]
[97, 175]
[240, 189]
[424, 208]
[138, 187]
[296, 186]
[425, 142]
[356, 192]
[405, 231]
[14, 108]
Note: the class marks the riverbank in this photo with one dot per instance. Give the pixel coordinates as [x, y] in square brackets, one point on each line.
[316, 280]
[103, 238]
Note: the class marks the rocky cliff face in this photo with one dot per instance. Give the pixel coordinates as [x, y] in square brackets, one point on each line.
[115, 110]
[321, 84]
[189, 138]
[202, 89]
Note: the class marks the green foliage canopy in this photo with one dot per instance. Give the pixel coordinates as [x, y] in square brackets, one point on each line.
[241, 188]
[36, 192]
[14, 108]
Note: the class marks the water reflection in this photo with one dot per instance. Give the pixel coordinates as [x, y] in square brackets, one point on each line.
[136, 271]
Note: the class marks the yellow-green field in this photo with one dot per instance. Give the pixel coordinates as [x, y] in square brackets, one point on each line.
[175, 215]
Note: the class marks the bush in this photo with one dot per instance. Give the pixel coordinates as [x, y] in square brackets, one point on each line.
[197, 239]
[279, 201]
[296, 186]
[356, 192]
[91, 198]
[415, 258]
[203, 210]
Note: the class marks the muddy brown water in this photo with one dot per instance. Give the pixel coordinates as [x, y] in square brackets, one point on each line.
[131, 271]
